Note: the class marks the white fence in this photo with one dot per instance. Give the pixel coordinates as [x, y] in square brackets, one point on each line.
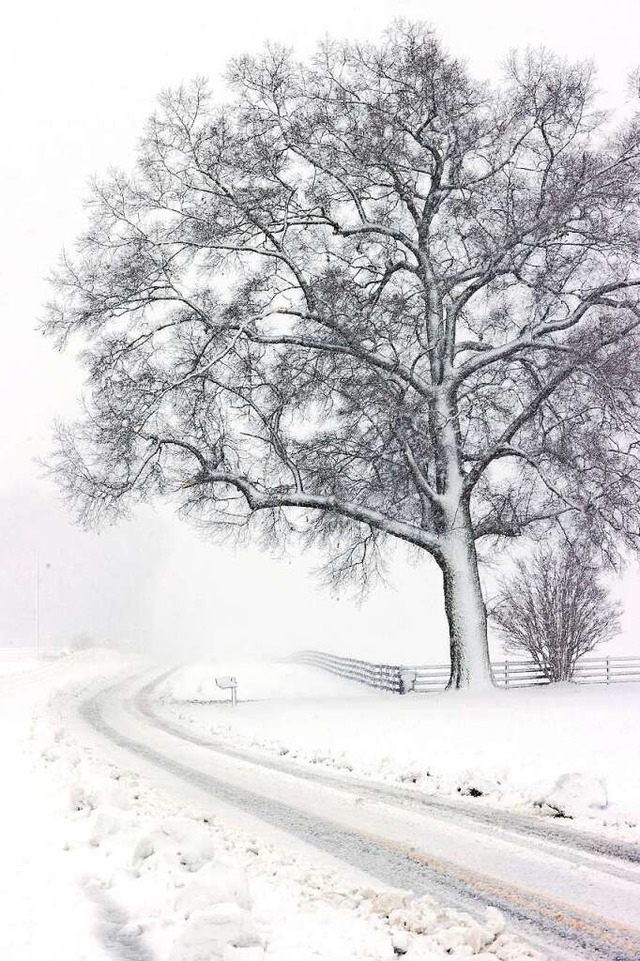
[386, 677]
[13, 655]
[434, 677]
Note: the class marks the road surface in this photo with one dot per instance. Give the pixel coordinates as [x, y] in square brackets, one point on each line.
[571, 896]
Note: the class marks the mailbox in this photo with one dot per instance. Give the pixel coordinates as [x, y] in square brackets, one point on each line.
[228, 683]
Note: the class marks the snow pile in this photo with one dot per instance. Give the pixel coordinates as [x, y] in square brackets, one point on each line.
[560, 751]
[165, 871]
[574, 796]
[422, 931]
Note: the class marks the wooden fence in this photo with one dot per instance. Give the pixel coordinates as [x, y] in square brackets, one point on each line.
[386, 677]
[433, 677]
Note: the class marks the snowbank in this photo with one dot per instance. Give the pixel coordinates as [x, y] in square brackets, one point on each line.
[42, 915]
[562, 750]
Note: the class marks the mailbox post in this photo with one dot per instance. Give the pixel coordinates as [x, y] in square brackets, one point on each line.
[228, 683]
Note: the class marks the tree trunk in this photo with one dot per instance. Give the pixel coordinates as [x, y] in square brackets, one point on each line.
[466, 611]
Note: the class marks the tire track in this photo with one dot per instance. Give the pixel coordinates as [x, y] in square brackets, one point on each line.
[489, 819]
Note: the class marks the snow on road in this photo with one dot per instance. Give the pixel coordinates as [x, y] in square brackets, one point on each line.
[547, 887]
[563, 750]
[109, 856]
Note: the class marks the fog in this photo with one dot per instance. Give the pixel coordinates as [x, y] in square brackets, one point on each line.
[158, 586]
[77, 83]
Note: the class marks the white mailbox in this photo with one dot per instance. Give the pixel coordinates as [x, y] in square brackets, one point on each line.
[228, 683]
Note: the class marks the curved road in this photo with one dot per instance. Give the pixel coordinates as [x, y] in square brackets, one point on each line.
[571, 896]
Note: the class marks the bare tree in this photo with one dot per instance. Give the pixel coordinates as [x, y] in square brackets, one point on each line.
[555, 610]
[368, 298]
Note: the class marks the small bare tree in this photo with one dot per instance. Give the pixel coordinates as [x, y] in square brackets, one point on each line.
[369, 298]
[555, 610]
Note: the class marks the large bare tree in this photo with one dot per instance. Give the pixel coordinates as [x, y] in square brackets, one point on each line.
[368, 298]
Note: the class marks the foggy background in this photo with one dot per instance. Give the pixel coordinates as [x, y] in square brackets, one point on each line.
[77, 82]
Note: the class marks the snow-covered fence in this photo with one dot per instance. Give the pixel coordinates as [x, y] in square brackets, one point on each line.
[21, 655]
[386, 677]
[607, 670]
[434, 677]
[505, 673]
[517, 674]
[16, 653]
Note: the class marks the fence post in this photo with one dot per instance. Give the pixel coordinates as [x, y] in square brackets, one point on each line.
[608, 672]
[506, 673]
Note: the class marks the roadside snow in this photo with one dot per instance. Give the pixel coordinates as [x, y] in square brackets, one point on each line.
[562, 750]
[43, 912]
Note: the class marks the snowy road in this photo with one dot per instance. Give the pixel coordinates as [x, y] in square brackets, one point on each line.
[568, 901]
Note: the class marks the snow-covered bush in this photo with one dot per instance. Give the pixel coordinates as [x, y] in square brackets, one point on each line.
[555, 610]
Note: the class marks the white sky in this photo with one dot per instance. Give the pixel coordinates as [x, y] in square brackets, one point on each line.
[77, 81]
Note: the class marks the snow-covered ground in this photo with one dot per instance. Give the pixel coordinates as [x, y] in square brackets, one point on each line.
[563, 750]
[101, 860]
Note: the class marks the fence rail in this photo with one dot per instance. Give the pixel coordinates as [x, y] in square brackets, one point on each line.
[16, 653]
[12, 654]
[424, 678]
[386, 677]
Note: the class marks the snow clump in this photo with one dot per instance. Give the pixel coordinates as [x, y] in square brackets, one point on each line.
[422, 930]
[575, 795]
[215, 883]
[223, 931]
